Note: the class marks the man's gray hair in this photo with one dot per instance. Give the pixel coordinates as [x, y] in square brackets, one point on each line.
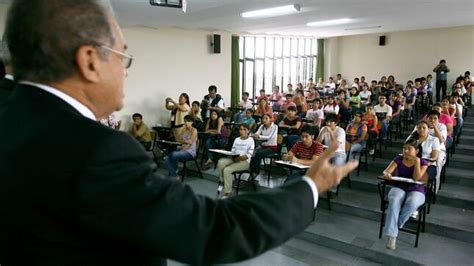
[44, 36]
[5, 52]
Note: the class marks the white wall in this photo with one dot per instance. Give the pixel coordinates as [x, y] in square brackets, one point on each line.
[406, 55]
[169, 61]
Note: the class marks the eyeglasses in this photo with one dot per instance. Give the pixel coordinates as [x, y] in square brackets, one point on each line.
[126, 58]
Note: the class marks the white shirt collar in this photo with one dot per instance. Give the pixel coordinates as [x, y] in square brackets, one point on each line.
[63, 96]
[8, 76]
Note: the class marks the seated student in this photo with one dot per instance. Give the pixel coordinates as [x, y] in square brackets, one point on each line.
[395, 103]
[187, 136]
[345, 109]
[261, 96]
[267, 132]
[447, 121]
[457, 104]
[430, 144]
[264, 108]
[356, 134]
[331, 106]
[244, 146]
[331, 129]
[384, 113]
[438, 131]
[276, 97]
[312, 94]
[403, 201]
[289, 102]
[307, 150]
[410, 101]
[365, 95]
[290, 127]
[195, 113]
[214, 126]
[244, 104]
[315, 114]
[140, 131]
[355, 99]
[371, 120]
[300, 102]
[249, 120]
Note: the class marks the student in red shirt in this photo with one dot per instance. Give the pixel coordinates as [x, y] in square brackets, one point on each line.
[307, 150]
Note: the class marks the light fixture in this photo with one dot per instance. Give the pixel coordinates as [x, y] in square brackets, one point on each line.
[271, 12]
[170, 3]
[331, 22]
[363, 28]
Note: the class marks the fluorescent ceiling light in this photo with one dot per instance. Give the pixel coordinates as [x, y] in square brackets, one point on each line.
[270, 12]
[329, 22]
[364, 28]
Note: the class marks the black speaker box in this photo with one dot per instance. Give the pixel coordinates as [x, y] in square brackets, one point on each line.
[216, 43]
[382, 40]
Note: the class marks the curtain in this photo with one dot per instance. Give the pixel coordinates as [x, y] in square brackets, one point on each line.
[235, 75]
[320, 61]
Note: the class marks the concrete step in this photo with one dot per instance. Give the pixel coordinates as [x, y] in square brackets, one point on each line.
[355, 235]
[444, 220]
[298, 252]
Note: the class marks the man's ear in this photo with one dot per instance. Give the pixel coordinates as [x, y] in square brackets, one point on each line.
[89, 63]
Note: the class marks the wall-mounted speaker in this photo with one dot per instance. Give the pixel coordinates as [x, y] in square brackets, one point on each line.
[216, 43]
[382, 40]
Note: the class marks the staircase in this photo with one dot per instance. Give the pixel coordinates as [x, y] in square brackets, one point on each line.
[350, 229]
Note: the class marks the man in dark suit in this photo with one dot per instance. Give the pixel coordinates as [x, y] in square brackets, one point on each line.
[73, 192]
[6, 83]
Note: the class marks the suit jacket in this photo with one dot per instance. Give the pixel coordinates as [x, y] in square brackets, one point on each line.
[73, 192]
[6, 87]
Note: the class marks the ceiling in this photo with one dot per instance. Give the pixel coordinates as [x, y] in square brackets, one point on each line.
[224, 15]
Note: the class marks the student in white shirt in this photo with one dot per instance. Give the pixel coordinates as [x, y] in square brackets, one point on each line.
[339, 157]
[244, 147]
[315, 114]
[384, 113]
[267, 133]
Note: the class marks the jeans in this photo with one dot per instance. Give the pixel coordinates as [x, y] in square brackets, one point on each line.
[260, 152]
[172, 160]
[212, 142]
[460, 122]
[441, 86]
[338, 159]
[439, 166]
[355, 148]
[226, 167]
[397, 215]
[384, 131]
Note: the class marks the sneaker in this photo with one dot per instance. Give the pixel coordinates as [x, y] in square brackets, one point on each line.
[391, 244]
[414, 215]
[219, 189]
[371, 151]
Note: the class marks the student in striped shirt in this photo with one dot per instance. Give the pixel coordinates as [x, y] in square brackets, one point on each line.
[307, 150]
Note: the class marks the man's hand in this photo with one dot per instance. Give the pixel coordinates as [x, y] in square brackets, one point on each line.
[326, 175]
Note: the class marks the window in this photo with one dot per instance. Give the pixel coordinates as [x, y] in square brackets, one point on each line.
[266, 62]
